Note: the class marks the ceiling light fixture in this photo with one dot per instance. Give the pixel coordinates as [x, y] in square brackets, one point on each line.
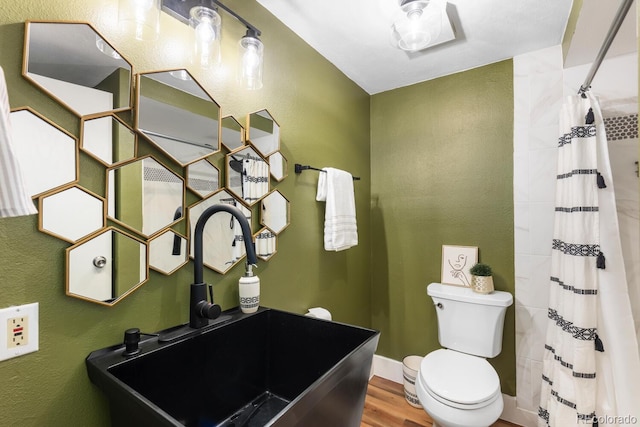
[419, 22]
[203, 16]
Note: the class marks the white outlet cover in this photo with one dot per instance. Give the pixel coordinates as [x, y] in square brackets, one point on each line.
[30, 311]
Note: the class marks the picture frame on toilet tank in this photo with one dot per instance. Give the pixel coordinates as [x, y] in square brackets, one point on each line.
[456, 262]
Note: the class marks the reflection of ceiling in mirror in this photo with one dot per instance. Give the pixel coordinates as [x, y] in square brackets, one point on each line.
[188, 86]
[68, 52]
[185, 135]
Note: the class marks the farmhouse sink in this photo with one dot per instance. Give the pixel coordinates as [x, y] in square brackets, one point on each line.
[269, 368]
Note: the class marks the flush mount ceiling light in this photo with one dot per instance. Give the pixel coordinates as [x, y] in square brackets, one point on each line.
[417, 25]
[203, 16]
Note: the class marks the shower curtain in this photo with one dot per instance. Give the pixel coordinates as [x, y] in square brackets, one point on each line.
[591, 366]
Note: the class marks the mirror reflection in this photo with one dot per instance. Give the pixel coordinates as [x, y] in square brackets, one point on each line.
[106, 267]
[264, 132]
[247, 175]
[75, 65]
[107, 139]
[275, 211]
[144, 196]
[278, 166]
[47, 153]
[232, 133]
[222, 239]
[203, 178]
[72, 214]
[168, 252]
[178, 116]
[265, 244]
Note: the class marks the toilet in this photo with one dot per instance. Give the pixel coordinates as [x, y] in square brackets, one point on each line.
[456, 385]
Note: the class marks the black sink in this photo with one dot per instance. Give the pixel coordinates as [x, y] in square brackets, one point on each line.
[270, 368]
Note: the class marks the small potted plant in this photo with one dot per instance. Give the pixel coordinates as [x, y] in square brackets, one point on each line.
[481, 278]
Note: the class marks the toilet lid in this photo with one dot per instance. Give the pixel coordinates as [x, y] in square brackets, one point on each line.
[459, 378]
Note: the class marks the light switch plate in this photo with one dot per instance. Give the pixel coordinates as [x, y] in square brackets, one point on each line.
[18, 330]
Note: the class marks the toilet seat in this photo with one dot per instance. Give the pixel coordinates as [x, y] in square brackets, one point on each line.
[459, 380]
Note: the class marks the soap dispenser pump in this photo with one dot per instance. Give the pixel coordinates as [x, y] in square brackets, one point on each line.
[249, 289]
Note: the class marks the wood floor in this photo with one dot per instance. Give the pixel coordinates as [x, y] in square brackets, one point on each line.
[385, 406]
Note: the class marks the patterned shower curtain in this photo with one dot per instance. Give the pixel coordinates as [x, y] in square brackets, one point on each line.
[589, 346]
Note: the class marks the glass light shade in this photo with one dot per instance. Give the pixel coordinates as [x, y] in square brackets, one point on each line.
[418, 24]
[251, 62]
[140, 18]
[206, 32]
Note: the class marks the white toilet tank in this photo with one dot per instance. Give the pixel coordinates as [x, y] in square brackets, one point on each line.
[470, 322]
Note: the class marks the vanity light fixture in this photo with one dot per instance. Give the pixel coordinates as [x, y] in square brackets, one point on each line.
[203, 16]
[140, 18]
[417, 25]
[206, 30]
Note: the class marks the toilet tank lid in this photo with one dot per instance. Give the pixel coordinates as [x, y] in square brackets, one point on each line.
[460, 293]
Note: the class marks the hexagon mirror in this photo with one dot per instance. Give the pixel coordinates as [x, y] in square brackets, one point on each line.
[247, 174]
[263, 132]
[266, 243]
[72, 213]
[47, 153]
[144, 196]
[75, 65]
[106, 267]
[108, 139]
[168, 252]
[177, 115]
[278, 166]
[222, 238]
[275, 211]
[203, 178]
[232, 133]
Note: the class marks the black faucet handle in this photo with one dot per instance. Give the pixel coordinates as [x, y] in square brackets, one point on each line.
[208, 310]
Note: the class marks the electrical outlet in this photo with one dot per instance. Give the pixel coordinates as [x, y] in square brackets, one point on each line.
[18, 330]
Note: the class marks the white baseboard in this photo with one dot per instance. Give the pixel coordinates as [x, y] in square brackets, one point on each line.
[391, 369]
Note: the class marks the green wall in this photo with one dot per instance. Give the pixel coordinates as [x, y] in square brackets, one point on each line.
[442, 174]
[325, 122]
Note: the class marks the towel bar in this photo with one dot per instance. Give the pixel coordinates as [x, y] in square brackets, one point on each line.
[299, 168]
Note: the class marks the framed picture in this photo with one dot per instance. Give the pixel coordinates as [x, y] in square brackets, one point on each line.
[456, 262]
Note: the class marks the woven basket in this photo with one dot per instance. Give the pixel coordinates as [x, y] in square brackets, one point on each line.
[482, 284]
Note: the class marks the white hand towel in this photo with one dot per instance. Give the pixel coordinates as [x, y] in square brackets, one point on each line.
[14, 200]
[335, 186]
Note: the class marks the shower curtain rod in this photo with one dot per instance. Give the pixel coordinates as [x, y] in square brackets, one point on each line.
[613, 30]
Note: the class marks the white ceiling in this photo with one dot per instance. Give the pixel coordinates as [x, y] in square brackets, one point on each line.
[354, 35]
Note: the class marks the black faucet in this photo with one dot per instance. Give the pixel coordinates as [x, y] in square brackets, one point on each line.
[200, 310]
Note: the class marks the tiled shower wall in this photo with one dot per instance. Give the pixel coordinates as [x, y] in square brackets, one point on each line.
[539, 87]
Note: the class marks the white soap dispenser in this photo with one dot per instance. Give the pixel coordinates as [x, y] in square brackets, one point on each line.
[249, 289]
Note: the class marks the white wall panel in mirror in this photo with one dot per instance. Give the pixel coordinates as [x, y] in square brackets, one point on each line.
[47, 153]
[106, 267]
[275, 211]
[147, 197]
[72, 213]
[278, 166]
[107, 139]
[222, 238]
[74, 64]
[168, 252]
[177, 115]
[203, 178]
[263, 132]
